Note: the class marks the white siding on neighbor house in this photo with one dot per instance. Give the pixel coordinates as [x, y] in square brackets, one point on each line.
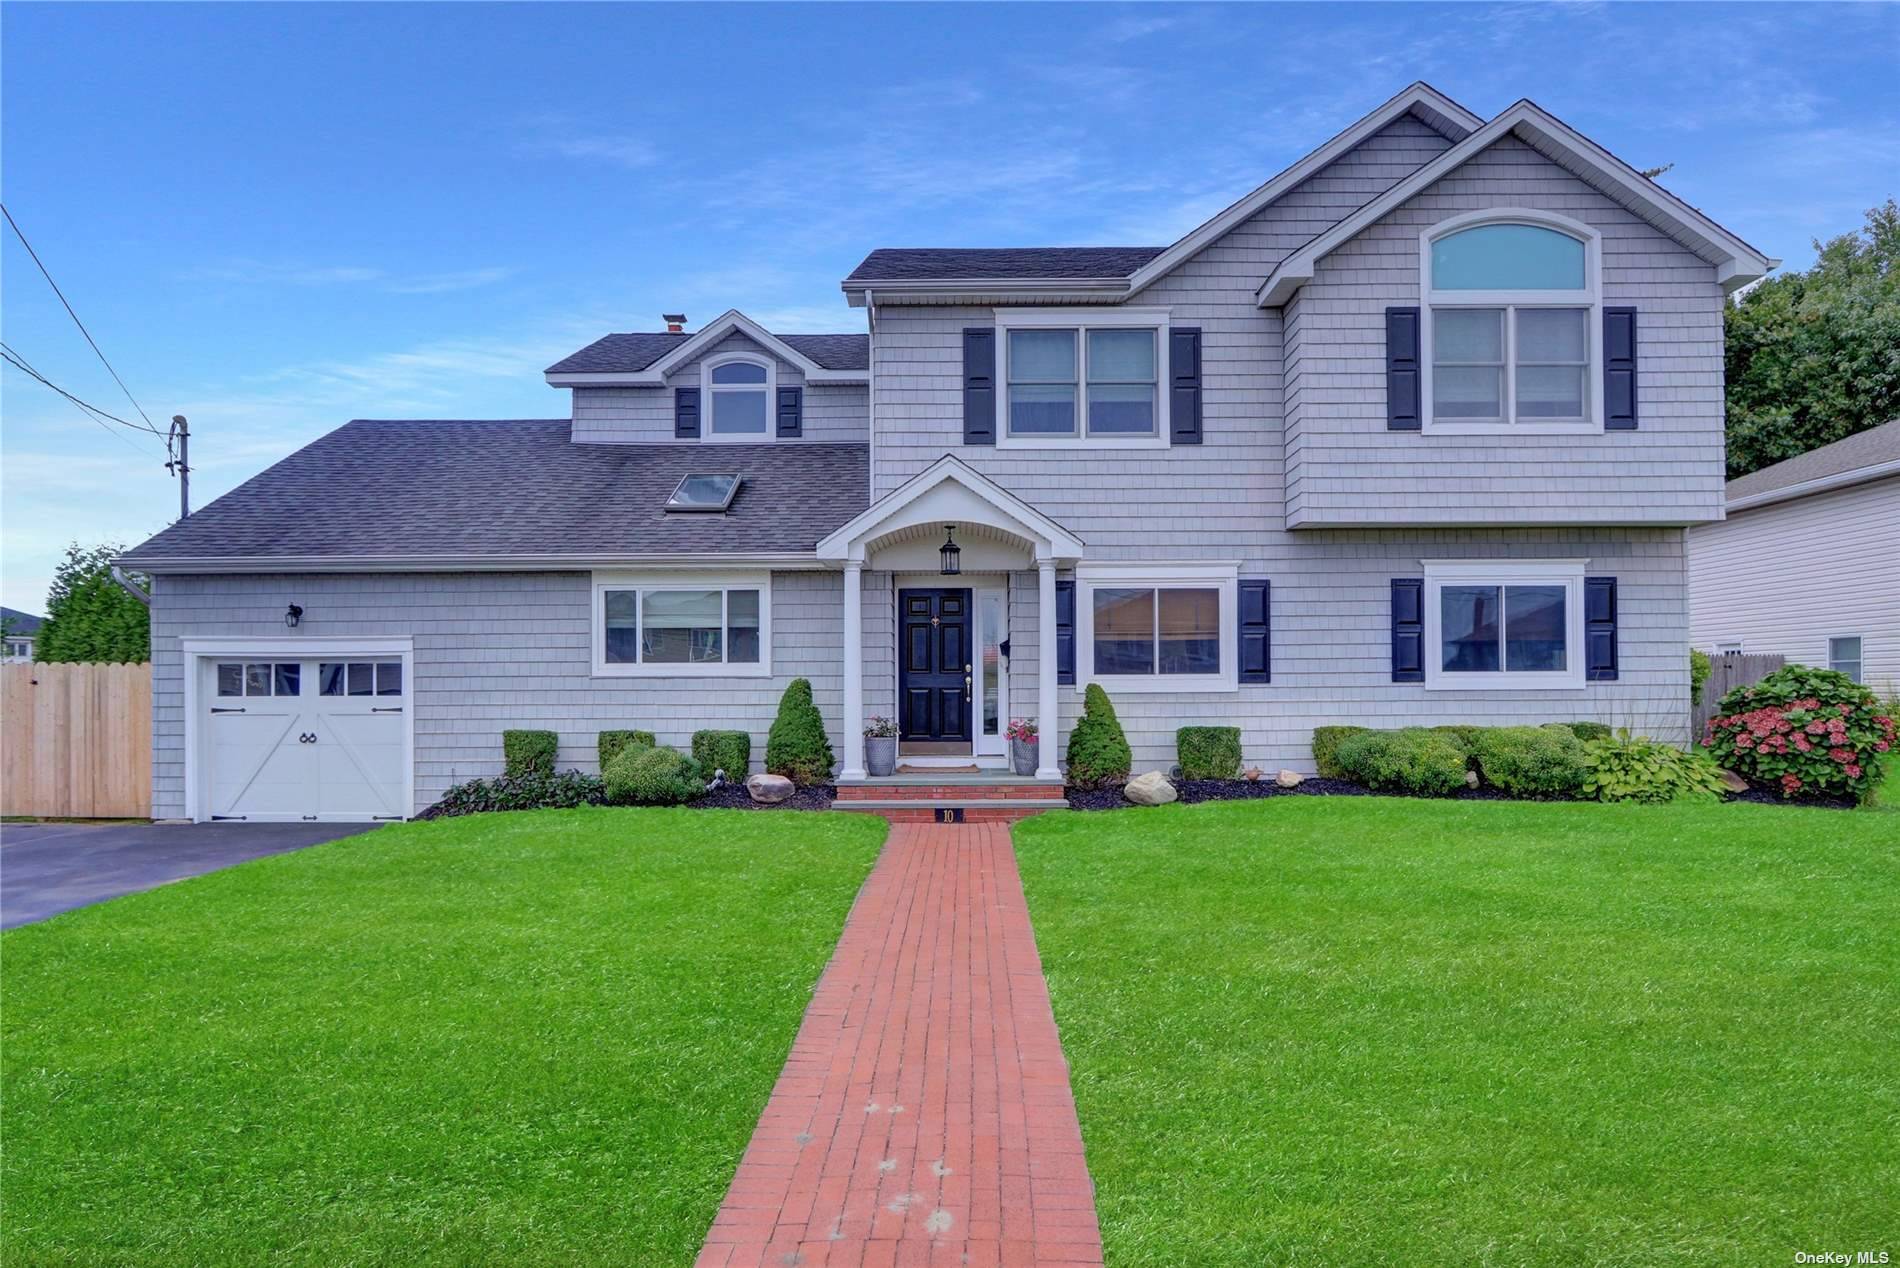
[1345, 468]
[834, 412]
[1785, 577]
[493, 651]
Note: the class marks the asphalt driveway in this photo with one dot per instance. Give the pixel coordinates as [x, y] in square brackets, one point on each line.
[47, 868]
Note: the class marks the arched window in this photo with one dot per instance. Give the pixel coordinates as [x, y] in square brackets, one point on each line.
[1510, 322]
[738, 397]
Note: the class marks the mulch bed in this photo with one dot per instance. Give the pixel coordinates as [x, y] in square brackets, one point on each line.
[1192, 791]
[735, 797]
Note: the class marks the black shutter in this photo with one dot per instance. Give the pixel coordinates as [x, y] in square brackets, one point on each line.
[979, 386]
[1599, 629]
[1256, 631]
[791, 411]
[686, 413]
[1401, 369]
[1619, 370]
[1184, 385]
[1408, 629]
[1065, 634]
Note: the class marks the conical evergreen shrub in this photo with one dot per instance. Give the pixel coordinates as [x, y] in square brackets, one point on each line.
[1098, 751]
[796, 746]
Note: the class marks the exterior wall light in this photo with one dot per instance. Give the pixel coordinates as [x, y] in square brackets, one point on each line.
[950, 553]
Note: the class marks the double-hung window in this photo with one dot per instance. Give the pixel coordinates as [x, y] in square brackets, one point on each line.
[1512, 321]
[739, 392]
[660, 625]
[1504, 624]
[1084, 380]
[1843, 655]
[1156, 627]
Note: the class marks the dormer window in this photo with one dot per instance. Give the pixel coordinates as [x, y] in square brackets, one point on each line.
[1511, 323]
[738, 397]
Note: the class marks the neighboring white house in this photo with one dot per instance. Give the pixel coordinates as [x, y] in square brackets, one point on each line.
[22, 629]
[1411, 433]
[1807, 563]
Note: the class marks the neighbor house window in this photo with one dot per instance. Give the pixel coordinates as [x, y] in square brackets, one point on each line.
[1843, 655]
[1149, 629]
[738, 397]
[1504, 624]
[663, 625]
[1511, 315]
[1070, 380]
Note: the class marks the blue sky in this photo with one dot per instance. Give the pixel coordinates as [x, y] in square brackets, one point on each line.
[275, 218]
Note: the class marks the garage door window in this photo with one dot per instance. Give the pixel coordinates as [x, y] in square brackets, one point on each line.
[260, 678]
[360, 678]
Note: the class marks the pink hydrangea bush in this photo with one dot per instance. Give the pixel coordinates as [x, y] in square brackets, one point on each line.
[1803, 730]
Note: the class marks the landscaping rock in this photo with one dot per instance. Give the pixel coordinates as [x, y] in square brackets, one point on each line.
[1289, 779]
[1471, 779]
[1152, 789]
[1734, 782]
[770, 789]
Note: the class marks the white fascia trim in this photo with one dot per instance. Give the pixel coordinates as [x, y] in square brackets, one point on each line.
[1502, 572]
[1820, 484]
[1418, 94]
[786, 561]
[1736, 262]
[846, 544]
[721, 326]
[1161, 574]
[721, 580]
[311, 645]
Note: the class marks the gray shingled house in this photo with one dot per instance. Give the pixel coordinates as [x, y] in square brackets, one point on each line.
[1411, 433]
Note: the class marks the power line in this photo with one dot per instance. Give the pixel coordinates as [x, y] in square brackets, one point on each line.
[92, 413]
[82, 327]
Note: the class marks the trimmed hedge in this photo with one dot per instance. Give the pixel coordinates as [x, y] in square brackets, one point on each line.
[1208, 752]
[1531, 761]
[642, 776]
[797, 746]
[1098, 751]
[528, 752]
[1326, 742]
[729, 751]
[1587, 731]
[1466, 736]
[611, 743]
[523, 792]
[1416, 761]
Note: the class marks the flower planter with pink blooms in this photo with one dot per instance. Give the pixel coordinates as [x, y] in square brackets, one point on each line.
[1808, 732]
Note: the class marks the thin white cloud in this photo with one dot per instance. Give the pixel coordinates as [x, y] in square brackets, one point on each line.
[246, 272]
[620, 151]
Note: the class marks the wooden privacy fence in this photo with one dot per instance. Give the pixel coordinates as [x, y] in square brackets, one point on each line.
[76, 741]
[1727, 672]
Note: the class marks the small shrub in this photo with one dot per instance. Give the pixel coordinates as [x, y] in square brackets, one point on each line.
[1699, 669]
[796, 746]
[1531, 761]
[1646, 770]
[519, 792]
[1208, 752]
[1804, 730]
[1326, 742]
[729, 751]
[611, 743]
[1466, 738]
[528, 752]
[1415, 760]
[1588, 731]
[1098, 751]
[643, 776]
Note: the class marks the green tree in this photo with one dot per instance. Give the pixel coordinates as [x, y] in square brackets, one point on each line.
[89, 616]
[1813, 357]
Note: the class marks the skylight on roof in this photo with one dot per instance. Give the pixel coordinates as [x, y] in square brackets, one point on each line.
[703, 493]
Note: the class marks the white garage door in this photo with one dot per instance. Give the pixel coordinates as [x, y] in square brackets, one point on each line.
[305, 740]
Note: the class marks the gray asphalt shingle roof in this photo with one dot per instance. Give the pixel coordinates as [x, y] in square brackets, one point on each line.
[1862, 449]
[941, 264]
[513, 488]
[21, 623]
[624, 354]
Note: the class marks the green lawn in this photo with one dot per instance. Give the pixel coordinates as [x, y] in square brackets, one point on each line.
[1375, 1030]
[514, 1039]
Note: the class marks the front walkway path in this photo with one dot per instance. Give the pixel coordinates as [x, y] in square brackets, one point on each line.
[924, 1115]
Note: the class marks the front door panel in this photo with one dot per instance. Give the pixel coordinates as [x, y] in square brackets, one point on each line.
[934, 664]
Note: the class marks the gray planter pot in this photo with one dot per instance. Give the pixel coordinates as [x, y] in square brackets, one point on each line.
[880, 754]
[1022, 756]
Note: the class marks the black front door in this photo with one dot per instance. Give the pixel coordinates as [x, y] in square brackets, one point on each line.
[934, 664]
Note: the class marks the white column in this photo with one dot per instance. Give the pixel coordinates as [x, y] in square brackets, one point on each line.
[853, 720]
[1048, 724]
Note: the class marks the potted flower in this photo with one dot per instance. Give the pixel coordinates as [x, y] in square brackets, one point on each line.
[880, 746]
[1022, 745]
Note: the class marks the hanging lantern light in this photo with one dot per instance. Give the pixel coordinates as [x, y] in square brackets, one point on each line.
[950, 553]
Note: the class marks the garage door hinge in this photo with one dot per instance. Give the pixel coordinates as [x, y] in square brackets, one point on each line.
[224, 818]
[230, 711]
[309, 818]
[392, 818]
[393, 709]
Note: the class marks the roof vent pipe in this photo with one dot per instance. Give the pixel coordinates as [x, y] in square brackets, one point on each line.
[675, 323]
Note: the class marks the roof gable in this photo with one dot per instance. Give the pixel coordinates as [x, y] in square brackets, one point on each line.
[645, 358]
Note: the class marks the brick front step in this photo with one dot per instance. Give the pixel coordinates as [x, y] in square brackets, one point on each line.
[949, 790]
[975, 810]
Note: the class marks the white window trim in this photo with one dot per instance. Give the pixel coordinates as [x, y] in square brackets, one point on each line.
[1082, 321]
[645, 581]
[1590, 297]
[707, 392]
[1827, 650]
[1172, 576]
[1503, 572]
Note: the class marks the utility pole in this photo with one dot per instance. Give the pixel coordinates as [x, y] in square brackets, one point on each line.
[181, 465]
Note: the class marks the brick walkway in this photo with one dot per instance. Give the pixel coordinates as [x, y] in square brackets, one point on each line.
[924, 1116]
